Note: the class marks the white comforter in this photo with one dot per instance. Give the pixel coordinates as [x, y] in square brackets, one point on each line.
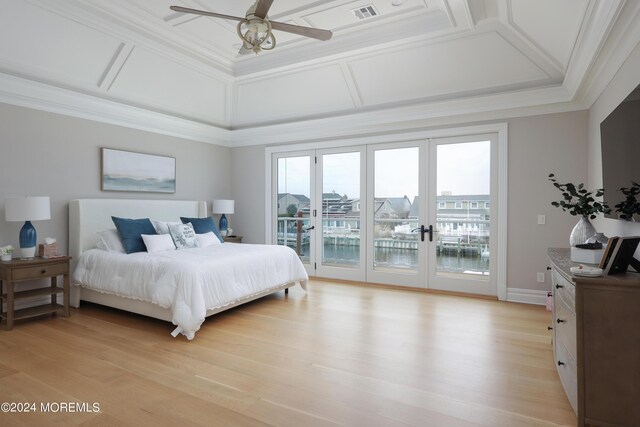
[191, 281]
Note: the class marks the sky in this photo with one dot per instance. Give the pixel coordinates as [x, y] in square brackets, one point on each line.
[462, 168]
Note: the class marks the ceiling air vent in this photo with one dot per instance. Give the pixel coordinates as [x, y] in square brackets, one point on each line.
[365, 12]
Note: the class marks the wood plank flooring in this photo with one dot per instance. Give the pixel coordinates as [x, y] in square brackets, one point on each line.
[339, 354]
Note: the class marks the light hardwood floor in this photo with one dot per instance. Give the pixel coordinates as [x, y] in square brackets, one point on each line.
[340, 354]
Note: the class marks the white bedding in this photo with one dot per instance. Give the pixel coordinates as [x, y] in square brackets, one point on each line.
[191, 281]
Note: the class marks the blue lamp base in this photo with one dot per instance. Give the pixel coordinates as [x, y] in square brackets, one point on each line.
[28, 239]
[223, 225]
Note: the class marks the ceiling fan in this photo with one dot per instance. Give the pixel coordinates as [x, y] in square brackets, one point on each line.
[256, 30]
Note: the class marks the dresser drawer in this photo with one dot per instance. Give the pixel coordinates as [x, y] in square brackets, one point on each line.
[564, 289]
[568, 373]
[41, 271]
[564, 324]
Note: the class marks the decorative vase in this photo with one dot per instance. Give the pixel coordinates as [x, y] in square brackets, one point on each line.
[6, 257]
[581, 232]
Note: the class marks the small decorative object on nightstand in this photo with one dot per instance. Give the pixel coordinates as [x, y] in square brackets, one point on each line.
[232, 239]
[17, 271]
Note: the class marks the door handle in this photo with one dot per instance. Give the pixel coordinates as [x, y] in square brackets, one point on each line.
[423, 230]
[310, 228]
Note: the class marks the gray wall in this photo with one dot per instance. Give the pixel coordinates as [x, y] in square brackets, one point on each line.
[46, 154]
[247, 187]
[538, 145]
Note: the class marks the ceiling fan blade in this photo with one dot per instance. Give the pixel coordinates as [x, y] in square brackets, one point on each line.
[262, 8]
[204, 13]
[315, 33]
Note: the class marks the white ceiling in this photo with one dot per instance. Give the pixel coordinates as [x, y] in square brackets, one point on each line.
[137, 62]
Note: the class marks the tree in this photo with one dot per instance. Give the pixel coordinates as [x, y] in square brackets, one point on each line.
[292, 210]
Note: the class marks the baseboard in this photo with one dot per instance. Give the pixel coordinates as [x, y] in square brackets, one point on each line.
[527, 296]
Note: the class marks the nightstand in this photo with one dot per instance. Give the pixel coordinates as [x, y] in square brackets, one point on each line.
[232, 239]
[17, 270]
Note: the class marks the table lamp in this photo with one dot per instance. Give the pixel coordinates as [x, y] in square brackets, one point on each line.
[222, 207]
[27, 209]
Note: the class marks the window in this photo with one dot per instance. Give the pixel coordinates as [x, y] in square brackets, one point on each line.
[442, 205]
[458, 205]
[474, 205]
[487, 204]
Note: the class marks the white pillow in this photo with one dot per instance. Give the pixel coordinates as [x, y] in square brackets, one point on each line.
[162, 227]
[207, 239]
[109, 240]
[158, 242]
[183, 235]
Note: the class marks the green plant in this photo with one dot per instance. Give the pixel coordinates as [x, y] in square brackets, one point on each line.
[578, 200]
[630, 205]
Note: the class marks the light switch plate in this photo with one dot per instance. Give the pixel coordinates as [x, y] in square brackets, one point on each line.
[540, 277]
[542, 219]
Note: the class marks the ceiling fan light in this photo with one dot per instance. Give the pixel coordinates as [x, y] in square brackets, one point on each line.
[259, 32]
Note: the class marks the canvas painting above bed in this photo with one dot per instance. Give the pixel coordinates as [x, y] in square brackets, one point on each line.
[131, 171]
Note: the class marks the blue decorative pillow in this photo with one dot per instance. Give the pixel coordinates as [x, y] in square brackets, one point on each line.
[131, 231]
[203, 225]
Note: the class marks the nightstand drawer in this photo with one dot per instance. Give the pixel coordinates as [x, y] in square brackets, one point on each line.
[40, 271]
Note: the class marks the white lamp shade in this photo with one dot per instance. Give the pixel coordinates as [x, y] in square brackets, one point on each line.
[27, 208]
[222, 206]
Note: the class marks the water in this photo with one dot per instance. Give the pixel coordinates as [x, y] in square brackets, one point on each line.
[400, 258]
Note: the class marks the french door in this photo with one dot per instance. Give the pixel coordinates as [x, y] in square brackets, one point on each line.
[317, 212]
[414, 213]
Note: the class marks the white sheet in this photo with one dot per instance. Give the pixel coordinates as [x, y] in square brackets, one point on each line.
[191, 281]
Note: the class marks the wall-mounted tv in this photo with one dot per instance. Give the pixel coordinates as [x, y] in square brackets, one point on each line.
[620, 144]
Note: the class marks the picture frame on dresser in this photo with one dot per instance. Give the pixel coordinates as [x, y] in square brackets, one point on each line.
[619, 255]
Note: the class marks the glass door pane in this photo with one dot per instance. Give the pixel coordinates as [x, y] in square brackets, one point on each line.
[460, 201]
[341, 209]
[293, 205]
[395, 209]
[463, 209]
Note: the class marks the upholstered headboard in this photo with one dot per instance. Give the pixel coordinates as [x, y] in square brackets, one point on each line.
[86, 216]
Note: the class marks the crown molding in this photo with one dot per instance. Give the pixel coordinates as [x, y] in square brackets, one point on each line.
[40, 96]
[404, 119]
[621, 41]
[601, 18]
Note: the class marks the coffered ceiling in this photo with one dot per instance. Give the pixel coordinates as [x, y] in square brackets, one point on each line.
[137, 63]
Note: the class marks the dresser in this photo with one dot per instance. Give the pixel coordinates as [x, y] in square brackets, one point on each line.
[596, 342]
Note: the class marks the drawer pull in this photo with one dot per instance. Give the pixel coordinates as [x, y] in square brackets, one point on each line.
[559, 286]
[549, 328]
[560, 363]
[43, 271]
[560, 320]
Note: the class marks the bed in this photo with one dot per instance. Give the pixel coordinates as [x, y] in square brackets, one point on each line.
[181, 286]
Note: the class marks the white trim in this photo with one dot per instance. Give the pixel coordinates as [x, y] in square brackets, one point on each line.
[28, 93]
[527, 296]
[501, 238]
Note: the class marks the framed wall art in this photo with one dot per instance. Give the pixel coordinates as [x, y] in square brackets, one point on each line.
[131, 171]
